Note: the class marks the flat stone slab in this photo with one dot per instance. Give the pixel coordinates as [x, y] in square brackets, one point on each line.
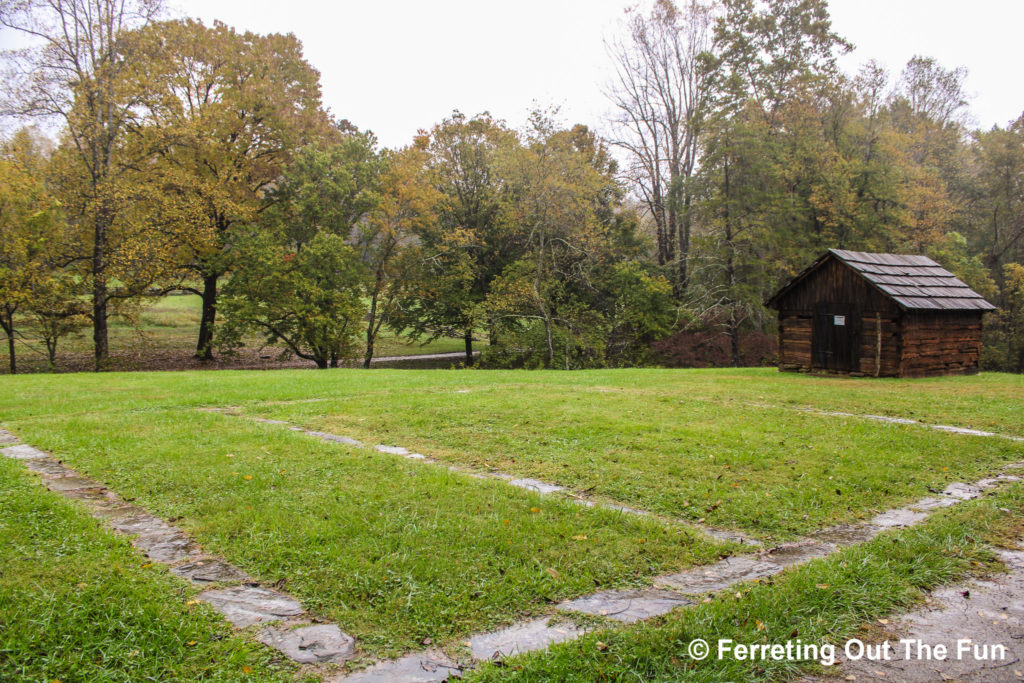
[963, 491]
[962, 430]
[525, 637]
[210, 571]
[627, 606]
[986, 612]
[268, 421]
[6, 437]
[311, 644]
[788, 554]
[138, 521]
[934, 503]
[336, 438]
[50, 467]
[901, 517]
[393, 450]
[23, 452]
[247, 605]
[718, 576]
[97, 498]
[168, 546]
[72, 483]
[536, 485]
[418, 667]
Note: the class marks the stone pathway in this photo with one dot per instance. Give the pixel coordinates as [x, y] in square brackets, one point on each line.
[534, 485]
[237, 596]
[891, 420]
[969, 620]
[668, 592]
[245, 603]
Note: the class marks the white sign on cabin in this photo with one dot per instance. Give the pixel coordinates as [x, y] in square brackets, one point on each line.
[839, 320]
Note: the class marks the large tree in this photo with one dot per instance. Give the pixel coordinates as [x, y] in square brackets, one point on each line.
[295, 277]
[470, 244]
[226, 112]
[78, 70]
[662, 92]
[388, 239]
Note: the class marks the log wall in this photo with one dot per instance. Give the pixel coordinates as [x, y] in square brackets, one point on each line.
[892, 342]
[795, 342]
[940, 343]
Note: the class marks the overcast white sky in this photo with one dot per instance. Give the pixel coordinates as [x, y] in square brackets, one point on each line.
[395, 67]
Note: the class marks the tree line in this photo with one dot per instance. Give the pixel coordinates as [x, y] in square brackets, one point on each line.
[201, 159]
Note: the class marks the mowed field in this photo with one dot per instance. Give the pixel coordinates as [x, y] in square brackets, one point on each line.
[162, 336]
[402, 554]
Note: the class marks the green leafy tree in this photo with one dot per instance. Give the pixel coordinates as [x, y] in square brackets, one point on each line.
[309, 300]
[226, 112]
[470, 244]
[296, 278]
[388, 239]
[80, 70]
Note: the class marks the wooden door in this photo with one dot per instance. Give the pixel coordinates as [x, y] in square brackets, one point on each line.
[835, 339]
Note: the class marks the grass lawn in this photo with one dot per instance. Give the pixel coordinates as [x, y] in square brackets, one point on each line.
[397, 552]
[163, 336]
[60, 574]
[824, 601]
[392, 550]
[669, 442]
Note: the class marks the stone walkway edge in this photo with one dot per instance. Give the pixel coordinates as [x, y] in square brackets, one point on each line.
[241, 600]
[890, 420]
[244, 603]
[534, 485]
[667, 592]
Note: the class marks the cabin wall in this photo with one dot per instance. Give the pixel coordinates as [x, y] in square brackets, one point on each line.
[836, 283]
[941, 343]
[880, 344]
[795, 342]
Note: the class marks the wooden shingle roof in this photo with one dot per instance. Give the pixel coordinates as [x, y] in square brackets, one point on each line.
[914, 282]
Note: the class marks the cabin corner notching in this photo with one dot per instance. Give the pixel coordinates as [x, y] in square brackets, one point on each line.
[881, 315]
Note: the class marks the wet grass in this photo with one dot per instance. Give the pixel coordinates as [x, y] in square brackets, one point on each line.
[824, 601]
[396, 551]
[675, 447]
[77, 603]
[393, 551]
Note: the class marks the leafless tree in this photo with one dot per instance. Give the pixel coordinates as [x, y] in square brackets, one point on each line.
[661, 93]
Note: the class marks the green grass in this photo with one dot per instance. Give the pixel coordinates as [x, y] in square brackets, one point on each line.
[163, 333]
[77, 603]
[392, 550]
[397, 551]
[823, 601]
[668, 443]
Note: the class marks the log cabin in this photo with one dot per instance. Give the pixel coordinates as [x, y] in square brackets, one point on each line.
[878, 315]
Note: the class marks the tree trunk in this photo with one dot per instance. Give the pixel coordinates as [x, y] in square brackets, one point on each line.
[51, 353]
[468, 338]
[371, 331]
[204, 346]
[100, 294]
[7, 323]
[682, 274]
[734, 338]
[101, 348]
